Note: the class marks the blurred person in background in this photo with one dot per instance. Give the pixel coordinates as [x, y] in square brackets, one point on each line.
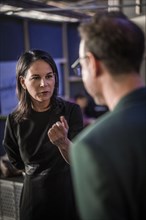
[108, 159]
[47, 190]
[82, 101]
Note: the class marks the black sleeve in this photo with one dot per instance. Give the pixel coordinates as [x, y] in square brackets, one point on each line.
[10, 144]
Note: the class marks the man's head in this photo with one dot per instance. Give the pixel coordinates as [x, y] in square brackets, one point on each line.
[111, 42]
[114, 39]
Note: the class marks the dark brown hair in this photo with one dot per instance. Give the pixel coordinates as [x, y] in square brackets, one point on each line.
[114, 39]
[26, 59]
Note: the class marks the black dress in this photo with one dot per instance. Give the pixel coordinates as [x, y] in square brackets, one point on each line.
[47, 190]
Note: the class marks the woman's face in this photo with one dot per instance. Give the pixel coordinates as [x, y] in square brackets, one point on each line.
[39, 81]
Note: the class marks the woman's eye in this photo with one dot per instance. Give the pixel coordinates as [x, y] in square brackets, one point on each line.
[49, 76]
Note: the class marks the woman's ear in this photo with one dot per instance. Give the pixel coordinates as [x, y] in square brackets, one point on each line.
[22, 82]
[94, 64]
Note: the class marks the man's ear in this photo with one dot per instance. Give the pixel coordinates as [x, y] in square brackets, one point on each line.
[22, 82]
[94, 64]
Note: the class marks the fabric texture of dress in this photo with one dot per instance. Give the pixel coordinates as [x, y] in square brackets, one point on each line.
[47, 190]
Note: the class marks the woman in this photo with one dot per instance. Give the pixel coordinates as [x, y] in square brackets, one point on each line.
[28, 140]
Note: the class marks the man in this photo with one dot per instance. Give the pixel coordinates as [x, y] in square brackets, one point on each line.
[108, 159]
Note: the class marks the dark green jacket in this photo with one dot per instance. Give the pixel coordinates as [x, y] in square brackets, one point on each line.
[108, 163]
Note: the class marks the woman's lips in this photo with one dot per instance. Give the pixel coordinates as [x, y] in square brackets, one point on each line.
[44, 93]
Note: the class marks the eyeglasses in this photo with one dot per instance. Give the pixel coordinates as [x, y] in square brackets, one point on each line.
[76, 66]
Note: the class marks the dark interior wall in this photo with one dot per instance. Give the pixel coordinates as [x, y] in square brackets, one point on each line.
[76, 87]
[11, 38]
[46, 36]
[73, 44]
[42, 35]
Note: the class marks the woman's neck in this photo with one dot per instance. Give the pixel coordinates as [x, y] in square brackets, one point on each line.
[40, 107]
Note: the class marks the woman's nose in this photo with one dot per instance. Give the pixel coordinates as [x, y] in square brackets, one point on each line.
[43, 82]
